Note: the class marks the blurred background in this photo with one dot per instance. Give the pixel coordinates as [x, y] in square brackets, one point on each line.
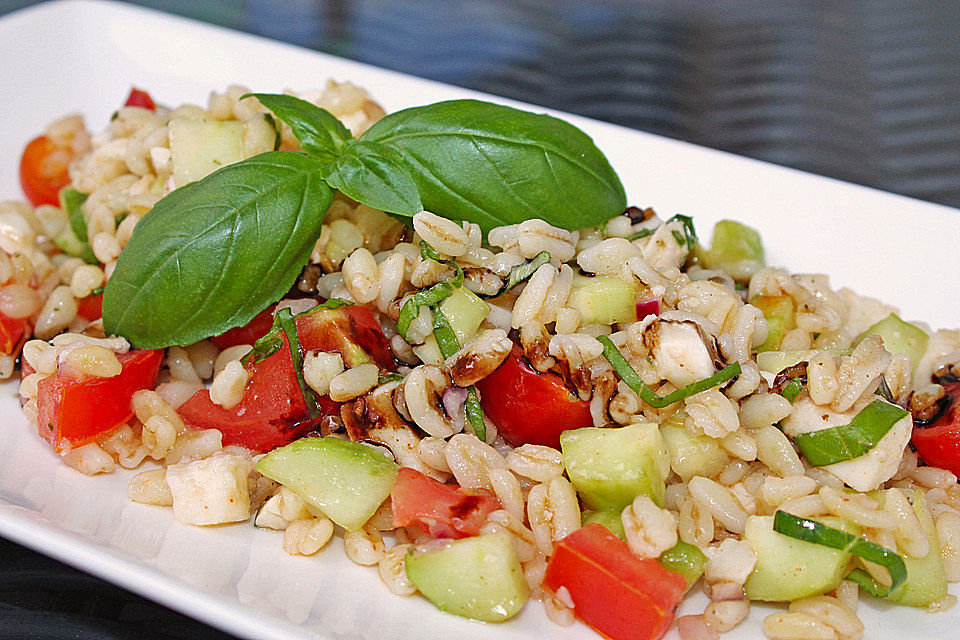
[863, 90]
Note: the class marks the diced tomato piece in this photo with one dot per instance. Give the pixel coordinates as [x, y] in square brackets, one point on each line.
[43, 171]
[74, 411]
[248, 333]
[271, 414]
[619, 595]
[530, 407]
[352, 331]
[91, 307]
[939, 443]
[140, 98]
[12, 331]
[442, 510]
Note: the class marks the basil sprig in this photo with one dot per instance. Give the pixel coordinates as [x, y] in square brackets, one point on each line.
[812, 531]
[632, 378]
[214, 253]
[836, 444]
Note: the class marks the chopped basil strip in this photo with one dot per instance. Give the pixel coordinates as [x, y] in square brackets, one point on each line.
[71, 201]
[836, 444]
[884, 390]
[643, 233]
[447, 341]
[628, 375]
[867, 583]
[816, 533]
[428, 297]
[270, 342]
[96, 291]
[688, 237]
[792, 390]
[388, 378]
[523, 271]
[289, 327]
[444, 334]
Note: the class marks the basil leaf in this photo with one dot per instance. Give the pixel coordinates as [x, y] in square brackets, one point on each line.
[284, 318]
[629, 375]
[377, 176]
[71, 202]
[320, 133]
[816, 533]
[836, 444]
[494, 165]
[214, 253]
[447, 342]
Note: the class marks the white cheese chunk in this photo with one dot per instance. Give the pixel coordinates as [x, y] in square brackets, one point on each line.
[211, 491]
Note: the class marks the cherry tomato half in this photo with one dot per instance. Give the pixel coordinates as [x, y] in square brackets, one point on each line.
[43, 170]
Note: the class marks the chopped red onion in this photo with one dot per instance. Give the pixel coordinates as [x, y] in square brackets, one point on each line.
[695, 628]
[453, 399]
[648, 308]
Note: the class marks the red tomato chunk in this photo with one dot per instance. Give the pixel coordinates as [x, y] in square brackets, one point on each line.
[140, 98]
[939, 444]
[619, 595]
[530, 407]
[75, 411]
[273, 412]
[12, 331]
[43, 171]
[442, 510]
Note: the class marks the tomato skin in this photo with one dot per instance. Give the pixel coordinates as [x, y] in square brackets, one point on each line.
[140, 98]
[12, 332]
[76, 411]
[44, 171]
[248, 333]
[271, 414]
[939, 444]
[91, 307]
[619, 595]
[530, 407]
[442, 510]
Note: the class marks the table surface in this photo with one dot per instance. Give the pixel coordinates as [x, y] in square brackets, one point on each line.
[866, 91]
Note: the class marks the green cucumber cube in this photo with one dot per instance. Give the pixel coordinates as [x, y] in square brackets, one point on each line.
[899, 337]
[732, 242]
[926, 577]
[789, 569]
[685, 559]
[610, 519]
[465, 311]
[611, 467]
[780, 313]
[604, 299]
[345, 480]
[478, 578]
[198, 148]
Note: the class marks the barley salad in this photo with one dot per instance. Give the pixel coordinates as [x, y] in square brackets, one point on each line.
[444, 336]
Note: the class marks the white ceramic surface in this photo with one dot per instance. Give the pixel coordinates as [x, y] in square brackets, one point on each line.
[83, 56]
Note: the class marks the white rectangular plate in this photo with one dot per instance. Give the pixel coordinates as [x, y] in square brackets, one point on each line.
[83, 56]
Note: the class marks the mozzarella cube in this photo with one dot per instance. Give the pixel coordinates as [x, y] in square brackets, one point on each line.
[211, 491]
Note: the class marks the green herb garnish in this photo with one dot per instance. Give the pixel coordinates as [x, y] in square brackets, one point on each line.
[630, 376]
[225, 247]
[792, 390]
[836, 444]
[816, 533]
[447, 342]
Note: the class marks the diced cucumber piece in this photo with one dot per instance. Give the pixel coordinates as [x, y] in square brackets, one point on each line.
[68, 242]
[198, 148]
[604, 299]
[899, 337]
[926, 578]
[777, 361]
[477, 578]
[733, 242]
[346, 480]
[465, 311]
[780, 314]
[71, 201]
[610, 519]
[692, 455]
[685, 559]
[429, 351]
[789, 569]
[611, 467]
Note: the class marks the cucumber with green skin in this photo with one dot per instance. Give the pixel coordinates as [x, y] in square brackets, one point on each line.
[899, 337]
[478, 578]
[779, 312]
[345, 480]
[788, 569]
[604, 299]
[609, 518]
[926, 577]
[611, 467]
[685, 559]
[732, 243]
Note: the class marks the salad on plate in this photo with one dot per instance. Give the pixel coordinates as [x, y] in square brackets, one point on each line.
[445, 336]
